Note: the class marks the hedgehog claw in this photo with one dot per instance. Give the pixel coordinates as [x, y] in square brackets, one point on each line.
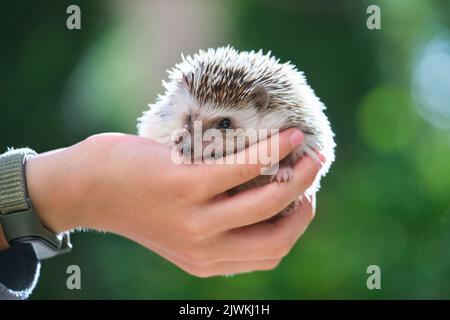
[283, 175]
[178, 135]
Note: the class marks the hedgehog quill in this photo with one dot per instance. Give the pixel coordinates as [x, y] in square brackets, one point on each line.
[225, 89]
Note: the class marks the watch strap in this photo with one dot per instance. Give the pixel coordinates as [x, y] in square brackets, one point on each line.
[19, 220]
[13, 194]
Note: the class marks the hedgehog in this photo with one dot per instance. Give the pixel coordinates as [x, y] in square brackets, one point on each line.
[227, 90]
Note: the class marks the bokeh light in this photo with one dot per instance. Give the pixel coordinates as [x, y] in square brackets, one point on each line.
[387, 120]
[431, 81]
[431, 156]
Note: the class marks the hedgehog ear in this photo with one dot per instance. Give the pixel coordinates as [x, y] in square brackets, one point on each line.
[260, 97]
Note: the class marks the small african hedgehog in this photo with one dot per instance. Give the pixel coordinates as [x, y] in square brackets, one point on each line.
[227, 89]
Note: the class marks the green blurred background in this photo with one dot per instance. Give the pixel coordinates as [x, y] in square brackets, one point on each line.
[386, 200]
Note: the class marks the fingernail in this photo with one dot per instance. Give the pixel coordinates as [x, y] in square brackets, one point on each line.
[321, 157]
[296, 138]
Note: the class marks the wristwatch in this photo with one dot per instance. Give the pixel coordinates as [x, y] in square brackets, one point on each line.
[20, 223]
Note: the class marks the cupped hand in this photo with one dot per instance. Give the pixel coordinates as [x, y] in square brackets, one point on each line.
[128, 185]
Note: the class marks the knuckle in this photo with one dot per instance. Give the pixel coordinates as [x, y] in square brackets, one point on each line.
[280, 249]
[195, 256]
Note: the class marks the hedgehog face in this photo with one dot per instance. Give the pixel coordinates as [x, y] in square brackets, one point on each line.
[222, 128]
[226, 128]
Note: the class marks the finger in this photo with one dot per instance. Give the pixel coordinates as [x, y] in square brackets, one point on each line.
[207, 268]
[224, 267]
[216, 268]
[265, 240]
[222, 177]
[308, 211]
[258, 204]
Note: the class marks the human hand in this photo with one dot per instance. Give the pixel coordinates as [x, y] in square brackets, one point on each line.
[128, 185]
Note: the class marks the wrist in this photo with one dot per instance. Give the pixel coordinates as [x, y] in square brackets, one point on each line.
[52, 190]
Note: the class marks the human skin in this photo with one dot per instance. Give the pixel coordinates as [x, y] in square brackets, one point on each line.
[128, 185]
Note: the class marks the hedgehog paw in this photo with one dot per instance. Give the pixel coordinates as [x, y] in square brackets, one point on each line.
[283, 175]
[178, 135]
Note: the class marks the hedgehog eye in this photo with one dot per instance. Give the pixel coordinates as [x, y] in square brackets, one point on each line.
[225, 123]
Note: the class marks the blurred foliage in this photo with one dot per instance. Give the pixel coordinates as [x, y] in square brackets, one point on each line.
[391, 107]
[386, 200]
